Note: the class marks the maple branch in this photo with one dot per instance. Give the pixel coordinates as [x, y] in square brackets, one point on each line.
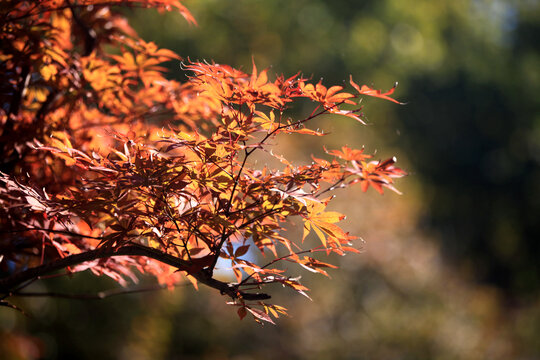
[280, 127]
[64, 232]
[249, 206]
[229, 203]
[224, 235]
[14, 307]
[332, 187]
[89, 33]
[310, 117]
[171, 217]
[100, 295]
[20, 287]
[202, 276]
[170, 214]
[256, 218]
[285, 257]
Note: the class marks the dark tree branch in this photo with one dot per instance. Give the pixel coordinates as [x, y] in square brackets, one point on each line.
[65, 232]
[14, 307]
[89, 34]
[231, 290]
[100, 295]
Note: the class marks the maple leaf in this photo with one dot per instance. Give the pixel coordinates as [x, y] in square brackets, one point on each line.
[347, 153]
[366, 90]
[322, 222]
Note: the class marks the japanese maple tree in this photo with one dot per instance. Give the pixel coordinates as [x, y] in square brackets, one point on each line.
[107, 165]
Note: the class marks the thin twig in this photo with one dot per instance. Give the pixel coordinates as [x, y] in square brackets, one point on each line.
[224, 235]
[171, 217]
[100, 295]
[14, 307]
[316, 249]
[64, 232]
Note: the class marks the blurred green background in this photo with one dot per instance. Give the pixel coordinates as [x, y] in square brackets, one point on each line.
[450, 268]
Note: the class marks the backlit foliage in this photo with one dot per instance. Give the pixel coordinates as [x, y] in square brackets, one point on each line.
[108, 165]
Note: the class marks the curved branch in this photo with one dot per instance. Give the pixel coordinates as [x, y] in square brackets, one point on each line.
[202, 275]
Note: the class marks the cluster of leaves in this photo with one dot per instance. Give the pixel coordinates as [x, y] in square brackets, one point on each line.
[108, 165]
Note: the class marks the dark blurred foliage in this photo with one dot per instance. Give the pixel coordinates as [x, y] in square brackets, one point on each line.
[451, 267]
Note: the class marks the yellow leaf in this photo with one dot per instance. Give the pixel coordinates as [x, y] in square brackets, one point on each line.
[320, 234]
[329, 216]
[332, 230]
[307, 229]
